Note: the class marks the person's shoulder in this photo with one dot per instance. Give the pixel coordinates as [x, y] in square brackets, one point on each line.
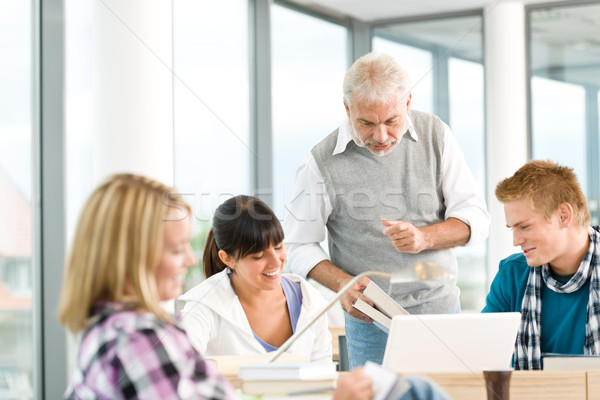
[293, 277]
[420, 113]
[311, 295]
[147, 332]
[298, 279]
[120, 329]
[216, 282]
[514, 265]
[328, 143]
[131, 323]
[134, 337]
[427, 125]
[125, 320]
[416, 115]
[506, 291]
[515, 261]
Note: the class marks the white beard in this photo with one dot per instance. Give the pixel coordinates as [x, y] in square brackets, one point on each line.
[361, 143]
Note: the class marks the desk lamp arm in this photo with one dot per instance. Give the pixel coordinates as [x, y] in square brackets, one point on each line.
[343, 291]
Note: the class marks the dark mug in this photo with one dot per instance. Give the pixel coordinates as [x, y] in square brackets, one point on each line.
[497, 383]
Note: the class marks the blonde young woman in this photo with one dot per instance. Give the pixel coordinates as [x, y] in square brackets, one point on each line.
[130, 252]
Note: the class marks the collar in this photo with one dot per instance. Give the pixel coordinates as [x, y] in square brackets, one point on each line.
[345, 135]
[217, 294]
[585, 270]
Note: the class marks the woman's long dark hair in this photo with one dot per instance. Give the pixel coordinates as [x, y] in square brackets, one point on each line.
[242, 225]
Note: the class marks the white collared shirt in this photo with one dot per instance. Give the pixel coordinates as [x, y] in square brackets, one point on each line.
[310, 206]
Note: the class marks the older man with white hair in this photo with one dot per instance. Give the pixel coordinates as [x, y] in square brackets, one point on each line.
[392, 188]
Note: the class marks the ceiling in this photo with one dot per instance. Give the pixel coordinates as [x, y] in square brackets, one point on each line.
[565, 41]
[372, 10]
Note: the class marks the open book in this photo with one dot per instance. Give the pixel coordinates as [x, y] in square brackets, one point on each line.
[385, 307]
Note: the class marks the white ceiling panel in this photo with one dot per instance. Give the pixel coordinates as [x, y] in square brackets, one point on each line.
[371, 10]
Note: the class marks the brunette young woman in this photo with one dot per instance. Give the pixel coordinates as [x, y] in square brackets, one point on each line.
[247, 305]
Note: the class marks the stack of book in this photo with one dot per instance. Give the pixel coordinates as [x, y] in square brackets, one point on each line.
[384, 306]
[287, 378]
[229, 365]
[570, 362]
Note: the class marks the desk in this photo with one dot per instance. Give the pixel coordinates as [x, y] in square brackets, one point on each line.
[525, 385]
[593, 385]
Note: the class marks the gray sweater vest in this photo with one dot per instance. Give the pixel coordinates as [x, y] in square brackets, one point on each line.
[405, 184]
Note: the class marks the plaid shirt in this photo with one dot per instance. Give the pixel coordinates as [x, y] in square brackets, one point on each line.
[528, 353]
[128, 355]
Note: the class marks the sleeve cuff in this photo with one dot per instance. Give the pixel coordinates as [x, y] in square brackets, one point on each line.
[478, 221]
[303, 257]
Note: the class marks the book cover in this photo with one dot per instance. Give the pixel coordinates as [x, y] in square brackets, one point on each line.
[289, 371]
[261, 387]
[228, 365]
[382, 321]
[384, 380]
[569, 362]
[383, 302]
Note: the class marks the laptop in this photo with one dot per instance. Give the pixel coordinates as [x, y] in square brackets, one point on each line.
[451, 342]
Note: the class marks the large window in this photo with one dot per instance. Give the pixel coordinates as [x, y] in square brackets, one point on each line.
[564, 56]
[444, 59]
[558, 113]
[17, 348]
[417, 63]
[309, 61]
[78, 108]
[211, 107]
[78, 129]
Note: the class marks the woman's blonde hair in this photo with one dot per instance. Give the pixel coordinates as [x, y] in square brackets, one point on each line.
[116, 247]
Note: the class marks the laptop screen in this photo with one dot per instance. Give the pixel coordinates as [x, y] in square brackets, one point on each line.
[451, 342]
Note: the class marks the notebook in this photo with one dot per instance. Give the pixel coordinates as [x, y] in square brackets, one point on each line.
[451, 342]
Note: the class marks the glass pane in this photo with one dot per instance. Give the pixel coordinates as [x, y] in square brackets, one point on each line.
[565, 77]
[467, 113]
[468, 125]
[78, 108]
[211, 107]
[16, 233]
[78, 129]
[309, 63]
[441, 55]
[551, 102]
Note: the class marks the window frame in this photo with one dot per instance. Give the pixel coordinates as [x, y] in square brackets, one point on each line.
[49, 205]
